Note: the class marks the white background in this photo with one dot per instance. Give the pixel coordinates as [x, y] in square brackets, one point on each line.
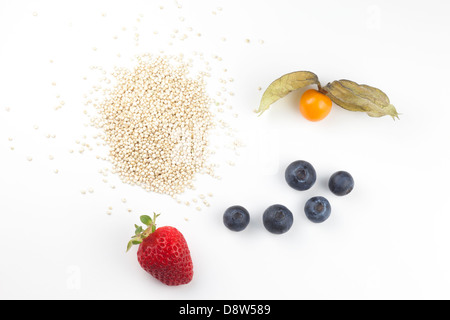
[388, 239]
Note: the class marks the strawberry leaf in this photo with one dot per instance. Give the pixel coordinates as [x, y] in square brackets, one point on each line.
[130, 244]
[146, 220]
[140, 233]
[138, 230]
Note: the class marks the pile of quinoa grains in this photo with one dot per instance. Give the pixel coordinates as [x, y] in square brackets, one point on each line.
[157, 110]
[156, 123]
[160, 126]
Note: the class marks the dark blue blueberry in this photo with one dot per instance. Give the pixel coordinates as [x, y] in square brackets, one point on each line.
[317, 209]
[236, 218]
[278, 219]
[341, 183]
[300, 175]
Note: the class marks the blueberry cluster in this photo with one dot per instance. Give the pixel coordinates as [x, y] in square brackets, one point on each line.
[278, 219]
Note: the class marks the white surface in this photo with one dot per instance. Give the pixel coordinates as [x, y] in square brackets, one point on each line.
[388, 239]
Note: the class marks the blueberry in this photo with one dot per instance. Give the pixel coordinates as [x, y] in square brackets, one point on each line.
[341, 183]
[300, 175]
[317, 209]
[278, 219]
[236, 218]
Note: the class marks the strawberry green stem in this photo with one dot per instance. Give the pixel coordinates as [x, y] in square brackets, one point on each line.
[140, 234]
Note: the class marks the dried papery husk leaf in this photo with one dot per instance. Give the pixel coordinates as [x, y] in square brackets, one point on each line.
[284, 85]
[363, 98]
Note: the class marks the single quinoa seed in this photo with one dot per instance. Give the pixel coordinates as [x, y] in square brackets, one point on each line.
[156, 121]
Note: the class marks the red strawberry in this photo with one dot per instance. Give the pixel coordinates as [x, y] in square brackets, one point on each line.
[163, 253]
